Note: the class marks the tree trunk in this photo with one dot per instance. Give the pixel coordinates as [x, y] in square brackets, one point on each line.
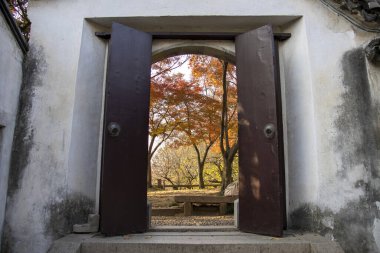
[227, 151]
[201, 179]
[149, 179]
[150, 155]
[201, 163]
[227, 172]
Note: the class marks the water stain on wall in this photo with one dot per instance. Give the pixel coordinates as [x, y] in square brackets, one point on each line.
[34, 66]
[357, 144]
[74, 209]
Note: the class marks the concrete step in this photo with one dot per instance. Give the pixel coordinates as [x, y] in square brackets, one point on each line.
[195, 242]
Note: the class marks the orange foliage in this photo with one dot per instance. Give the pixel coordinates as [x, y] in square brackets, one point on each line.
[189, 112]
[209, 71]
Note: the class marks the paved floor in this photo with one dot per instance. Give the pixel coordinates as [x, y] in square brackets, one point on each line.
[194, 242]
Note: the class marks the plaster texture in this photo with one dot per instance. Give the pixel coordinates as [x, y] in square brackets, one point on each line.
[11, 57]
[330, 102]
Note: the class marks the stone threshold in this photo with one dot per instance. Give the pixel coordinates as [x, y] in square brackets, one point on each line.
[195, 241]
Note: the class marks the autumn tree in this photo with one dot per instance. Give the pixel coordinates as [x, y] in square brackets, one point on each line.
[220, 77]
[188, 166]
[176, 165]
[228, 125]
[199, 116]
[215, 162]
[19, 11]
[166, 166]
[198, 112]
[163, 119]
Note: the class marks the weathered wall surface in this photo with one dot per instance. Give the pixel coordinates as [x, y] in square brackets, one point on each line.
[331, 106]
[11, 57]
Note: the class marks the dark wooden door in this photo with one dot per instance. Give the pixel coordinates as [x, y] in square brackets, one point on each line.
[261, 196]
[123, 199]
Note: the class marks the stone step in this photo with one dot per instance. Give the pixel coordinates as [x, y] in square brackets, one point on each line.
[195, 242]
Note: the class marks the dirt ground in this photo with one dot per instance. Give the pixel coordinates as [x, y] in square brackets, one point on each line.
[160, 199]
[227, 220]
[165, 199]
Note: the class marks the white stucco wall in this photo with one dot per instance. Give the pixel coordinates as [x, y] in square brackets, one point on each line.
[66, 108]
[11, 57]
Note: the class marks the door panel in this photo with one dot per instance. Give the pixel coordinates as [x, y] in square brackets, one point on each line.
[260, 189]
[280, 129]
[123, 200]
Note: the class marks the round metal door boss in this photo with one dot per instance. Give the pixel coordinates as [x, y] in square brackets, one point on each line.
[114, 129]
[269, 131]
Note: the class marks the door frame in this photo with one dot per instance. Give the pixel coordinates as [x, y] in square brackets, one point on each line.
[231, 37]
[195, 36]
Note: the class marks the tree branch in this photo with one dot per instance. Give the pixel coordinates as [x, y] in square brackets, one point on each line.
[233, 151]
[223, 125]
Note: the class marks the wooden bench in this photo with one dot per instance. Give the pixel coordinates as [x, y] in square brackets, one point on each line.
[219, 200]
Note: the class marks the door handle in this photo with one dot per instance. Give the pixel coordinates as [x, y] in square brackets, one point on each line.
[114, 129]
